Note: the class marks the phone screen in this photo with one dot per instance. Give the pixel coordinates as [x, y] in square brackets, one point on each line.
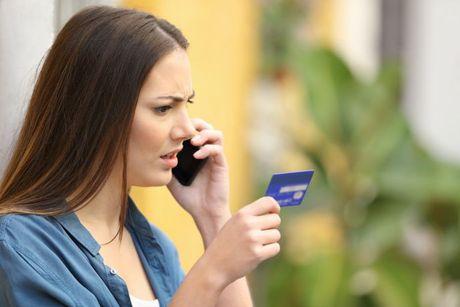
[188, 167]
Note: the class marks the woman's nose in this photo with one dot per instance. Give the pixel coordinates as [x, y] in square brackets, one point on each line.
[184, 129]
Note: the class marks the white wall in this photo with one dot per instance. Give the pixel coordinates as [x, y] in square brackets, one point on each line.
[432, 60]
[26, 32]
[357, 29]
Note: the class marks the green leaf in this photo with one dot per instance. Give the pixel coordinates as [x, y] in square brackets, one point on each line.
[398, 281]
[326, 79]
[325, 281]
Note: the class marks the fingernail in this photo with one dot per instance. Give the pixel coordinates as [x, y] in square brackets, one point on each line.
[198, 154]
[196, 138]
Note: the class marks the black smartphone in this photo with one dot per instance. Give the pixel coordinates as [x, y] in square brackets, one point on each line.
[188, 167]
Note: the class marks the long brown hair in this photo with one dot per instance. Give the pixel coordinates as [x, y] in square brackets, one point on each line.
[81, 109]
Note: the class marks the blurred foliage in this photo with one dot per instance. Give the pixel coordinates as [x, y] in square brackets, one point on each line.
[278, 32]
[383, 215]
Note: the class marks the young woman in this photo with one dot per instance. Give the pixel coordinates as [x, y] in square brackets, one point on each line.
[109, 112]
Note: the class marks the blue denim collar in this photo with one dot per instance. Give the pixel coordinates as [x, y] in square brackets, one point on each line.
[134, 218]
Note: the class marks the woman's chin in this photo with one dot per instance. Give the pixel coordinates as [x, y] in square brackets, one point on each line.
[159, 179]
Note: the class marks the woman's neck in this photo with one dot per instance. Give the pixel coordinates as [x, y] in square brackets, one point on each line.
[101, 215]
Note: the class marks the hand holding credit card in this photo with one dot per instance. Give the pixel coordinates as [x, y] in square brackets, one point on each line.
[289, 189]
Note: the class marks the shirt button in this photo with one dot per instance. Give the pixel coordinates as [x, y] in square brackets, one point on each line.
[113, 271]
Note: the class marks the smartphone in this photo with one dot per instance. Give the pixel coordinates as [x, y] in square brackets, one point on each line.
[188, 167]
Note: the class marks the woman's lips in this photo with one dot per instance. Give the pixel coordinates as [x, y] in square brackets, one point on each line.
[174, 152]
[170, 160]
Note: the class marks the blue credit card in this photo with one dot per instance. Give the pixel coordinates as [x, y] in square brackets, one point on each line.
[289, 189]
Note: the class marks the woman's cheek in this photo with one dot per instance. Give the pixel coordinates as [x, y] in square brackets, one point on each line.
[154, 138]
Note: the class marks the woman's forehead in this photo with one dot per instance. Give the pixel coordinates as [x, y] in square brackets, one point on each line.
[170, 75]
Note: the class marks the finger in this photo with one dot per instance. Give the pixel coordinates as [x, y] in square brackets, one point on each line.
[262, 206]
[211, 150]
[267, 221]
[208, 136]
[270, 236]
[270, 250]
[201, 124]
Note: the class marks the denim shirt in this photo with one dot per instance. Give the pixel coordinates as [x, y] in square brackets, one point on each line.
[54, 261]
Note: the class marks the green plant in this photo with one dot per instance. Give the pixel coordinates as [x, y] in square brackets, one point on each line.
[387, 194]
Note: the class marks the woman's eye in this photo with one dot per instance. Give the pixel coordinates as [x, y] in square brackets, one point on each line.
[163, 109]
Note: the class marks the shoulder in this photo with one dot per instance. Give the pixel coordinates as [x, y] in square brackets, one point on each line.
[25, 229]
[28, 237]
[40, 237]
[28, 262]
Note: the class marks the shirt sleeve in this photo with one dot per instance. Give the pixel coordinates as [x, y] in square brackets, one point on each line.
[25, 281]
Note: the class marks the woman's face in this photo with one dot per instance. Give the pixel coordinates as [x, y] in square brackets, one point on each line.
[160, 125]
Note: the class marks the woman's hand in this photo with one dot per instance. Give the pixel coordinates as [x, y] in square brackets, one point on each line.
[207, 197]
[248, 238]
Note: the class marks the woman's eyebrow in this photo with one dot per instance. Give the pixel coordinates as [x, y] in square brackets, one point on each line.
[176, 98]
